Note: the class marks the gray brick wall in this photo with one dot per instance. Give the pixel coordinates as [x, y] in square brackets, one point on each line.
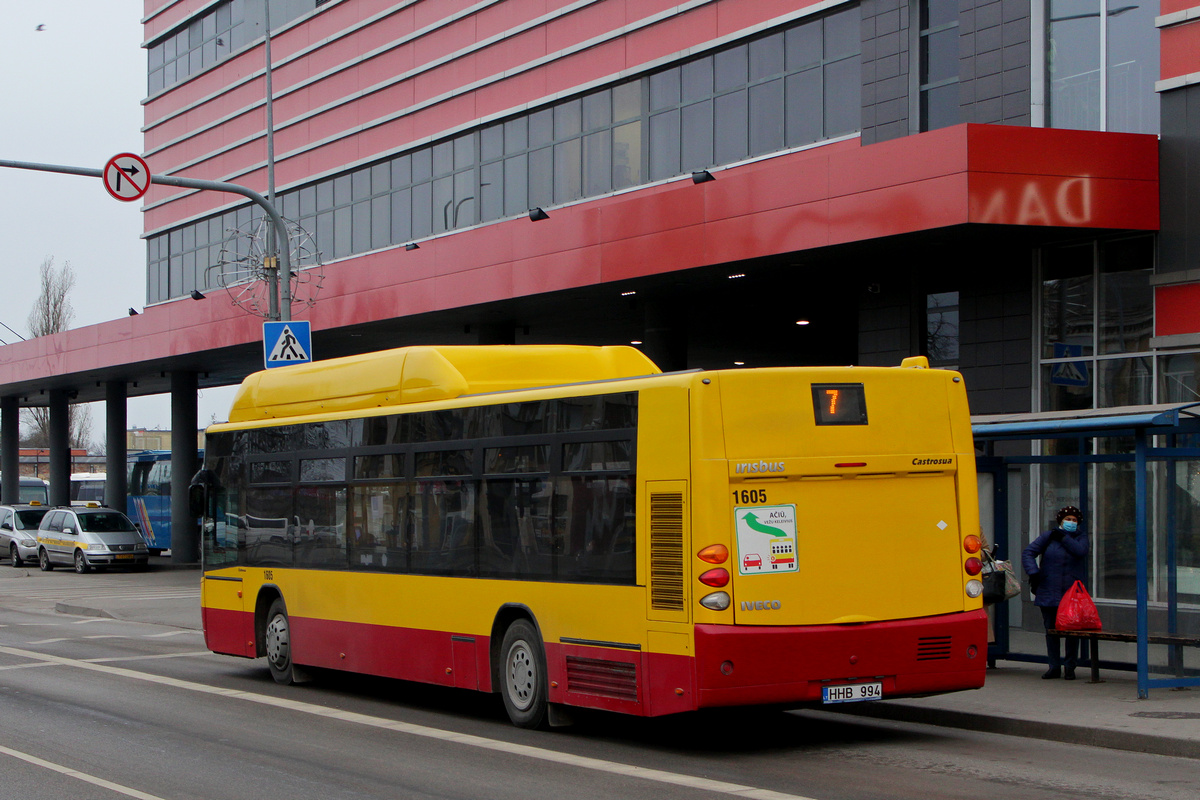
[995, 349]
[885, 69]
[994, 65]
[994, 53]
[995, 318]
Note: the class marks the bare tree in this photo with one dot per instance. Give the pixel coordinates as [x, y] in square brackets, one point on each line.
[52, 313]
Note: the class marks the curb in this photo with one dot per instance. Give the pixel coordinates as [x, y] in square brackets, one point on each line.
[1011, 726]
[81, 611]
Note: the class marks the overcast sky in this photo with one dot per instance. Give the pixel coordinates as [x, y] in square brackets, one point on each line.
[73, 77]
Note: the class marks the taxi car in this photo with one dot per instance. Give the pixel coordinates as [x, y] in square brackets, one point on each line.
[18, 531]
[89, 537]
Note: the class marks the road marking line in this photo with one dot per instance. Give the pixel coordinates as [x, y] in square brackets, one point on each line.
[82, 776]
[469, 740]
[27, 666]
[142, 658]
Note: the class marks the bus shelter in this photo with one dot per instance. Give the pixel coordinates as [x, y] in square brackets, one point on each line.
[1136, 475]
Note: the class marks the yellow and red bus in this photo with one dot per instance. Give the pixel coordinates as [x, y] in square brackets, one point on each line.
[569, 526]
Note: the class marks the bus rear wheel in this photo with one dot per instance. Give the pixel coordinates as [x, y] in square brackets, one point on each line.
[278, 641]
[523, 675]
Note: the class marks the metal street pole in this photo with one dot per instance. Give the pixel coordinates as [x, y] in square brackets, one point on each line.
[285, 265]
[281, 292]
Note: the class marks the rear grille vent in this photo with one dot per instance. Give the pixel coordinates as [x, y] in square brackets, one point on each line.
[666, 550]
[617, 679]
[933, 648]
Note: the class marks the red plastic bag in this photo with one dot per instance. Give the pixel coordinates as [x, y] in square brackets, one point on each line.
[1076, 611]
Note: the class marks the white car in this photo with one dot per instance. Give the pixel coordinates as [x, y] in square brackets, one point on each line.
[94, 536]
[18, 531]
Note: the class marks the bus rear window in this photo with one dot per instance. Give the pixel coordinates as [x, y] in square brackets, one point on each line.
[839, 404]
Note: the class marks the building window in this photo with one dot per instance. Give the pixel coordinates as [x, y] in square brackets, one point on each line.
[939, 64]
[1097, 312]
[196, 46]
[784, 89]
[1101, 64]
[941, 329]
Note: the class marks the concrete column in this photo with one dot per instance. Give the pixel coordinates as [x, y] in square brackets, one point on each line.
[60, 449]
[185, 533]
[10, 450]
[116, 485]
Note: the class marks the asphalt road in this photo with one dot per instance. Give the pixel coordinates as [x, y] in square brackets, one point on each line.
[103, 708]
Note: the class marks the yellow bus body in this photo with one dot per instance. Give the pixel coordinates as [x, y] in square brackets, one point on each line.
[866, 581]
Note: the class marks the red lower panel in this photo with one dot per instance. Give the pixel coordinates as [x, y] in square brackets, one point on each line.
[628, 681]
[733, 665]
[751, 665]
[405, 653]
[229, 632]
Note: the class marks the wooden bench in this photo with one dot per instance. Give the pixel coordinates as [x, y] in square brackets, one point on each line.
[1177, 639]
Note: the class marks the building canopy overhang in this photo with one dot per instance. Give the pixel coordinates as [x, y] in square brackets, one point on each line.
[982, 178]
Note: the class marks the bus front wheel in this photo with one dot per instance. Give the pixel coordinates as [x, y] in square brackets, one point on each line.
[278, 642]
[523, 675]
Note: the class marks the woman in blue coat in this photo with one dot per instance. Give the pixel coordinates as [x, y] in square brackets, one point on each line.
[1063, 552]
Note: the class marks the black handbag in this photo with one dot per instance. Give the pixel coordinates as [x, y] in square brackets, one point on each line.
[993, 580]
[993, 586]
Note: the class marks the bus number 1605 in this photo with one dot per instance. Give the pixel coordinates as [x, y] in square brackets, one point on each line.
[747, 496]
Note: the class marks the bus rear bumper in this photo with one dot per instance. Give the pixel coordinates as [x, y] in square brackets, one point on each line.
[744, 665]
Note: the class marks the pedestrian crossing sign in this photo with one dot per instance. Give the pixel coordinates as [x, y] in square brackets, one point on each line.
[287, 343]
[1069, 373]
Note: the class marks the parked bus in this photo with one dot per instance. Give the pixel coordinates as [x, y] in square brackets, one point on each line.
[87, 487]
[568, 526]
[33, 490]
[149, 497]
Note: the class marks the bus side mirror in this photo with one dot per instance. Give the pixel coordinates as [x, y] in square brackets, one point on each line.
[196, 497]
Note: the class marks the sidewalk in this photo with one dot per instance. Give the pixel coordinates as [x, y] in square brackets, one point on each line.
[1016, 701]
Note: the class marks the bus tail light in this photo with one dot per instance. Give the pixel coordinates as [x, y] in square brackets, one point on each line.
[715, 578]
[719, 601]
[974, 588]
[714, 554]
[973, 565]
[972, 544]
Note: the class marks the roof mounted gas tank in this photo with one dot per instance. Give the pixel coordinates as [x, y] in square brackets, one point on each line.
[426, 373]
